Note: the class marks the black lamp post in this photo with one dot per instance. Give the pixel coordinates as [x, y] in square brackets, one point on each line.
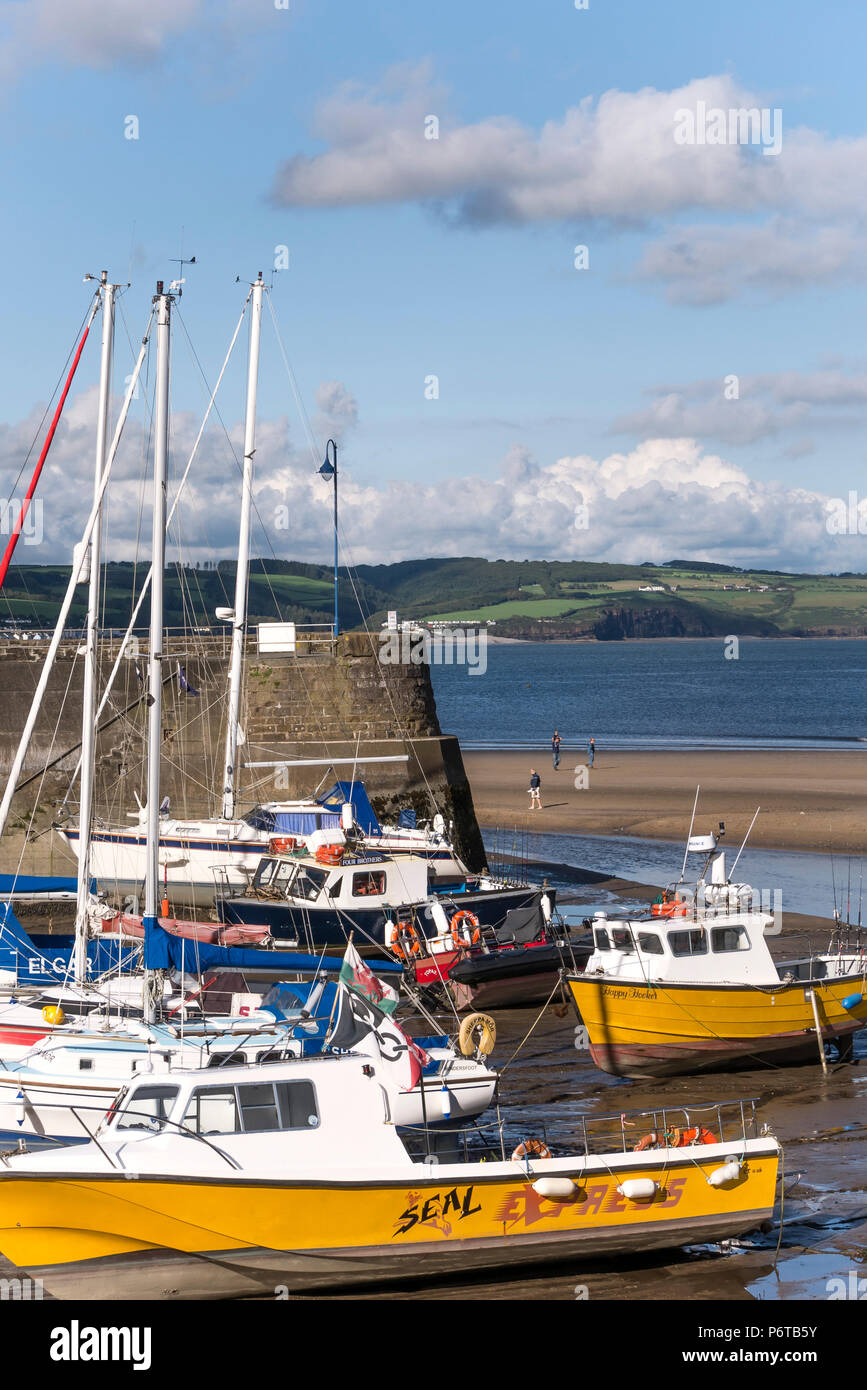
[329, 470]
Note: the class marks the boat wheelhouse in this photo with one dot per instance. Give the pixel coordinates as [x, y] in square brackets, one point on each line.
[301, 899]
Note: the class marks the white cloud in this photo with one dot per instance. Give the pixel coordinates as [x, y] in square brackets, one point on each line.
[102, 34]
[767, 404]
[607, 161]
[665, 497]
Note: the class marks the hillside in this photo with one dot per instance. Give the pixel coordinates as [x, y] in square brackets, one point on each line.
[573, 599]
[535, 599]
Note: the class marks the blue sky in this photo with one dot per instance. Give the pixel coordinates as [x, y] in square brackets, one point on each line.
[455, 258]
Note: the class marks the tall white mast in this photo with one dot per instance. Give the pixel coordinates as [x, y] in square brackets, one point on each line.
[88, 712]
[239, 619]
[155, 653]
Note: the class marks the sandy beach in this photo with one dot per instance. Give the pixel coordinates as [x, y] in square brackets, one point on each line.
[809, 800]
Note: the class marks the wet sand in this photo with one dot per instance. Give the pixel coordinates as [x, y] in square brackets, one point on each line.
[809, 800]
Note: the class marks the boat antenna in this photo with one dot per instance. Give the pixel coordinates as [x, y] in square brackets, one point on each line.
[849, 892]
[689, 836]
[743, 846]
[833, 884]
[179, 283]
[860, 888]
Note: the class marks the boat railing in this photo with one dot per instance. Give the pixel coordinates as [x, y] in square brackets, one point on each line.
[728, 1121]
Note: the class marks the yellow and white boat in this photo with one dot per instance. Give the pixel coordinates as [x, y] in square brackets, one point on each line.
[212, 1184]
[693, 986]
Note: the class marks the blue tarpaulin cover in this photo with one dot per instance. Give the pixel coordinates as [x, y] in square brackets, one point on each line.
[354, 792]
[29, 883]
[166, 952]
[48, 958]
[406, 819]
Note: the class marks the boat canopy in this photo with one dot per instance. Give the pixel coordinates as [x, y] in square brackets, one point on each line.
[356, 794]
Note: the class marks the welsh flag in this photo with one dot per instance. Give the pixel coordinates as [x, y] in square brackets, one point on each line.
[355, 975]
[362, 1027]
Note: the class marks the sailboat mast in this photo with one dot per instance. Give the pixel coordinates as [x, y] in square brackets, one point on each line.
[88, 712]
[158, 562]
[239, 619]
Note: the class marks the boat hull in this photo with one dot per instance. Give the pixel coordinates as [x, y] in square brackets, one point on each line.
[98, 1236]
[194, 868]
[326, 926]
[636, 1030]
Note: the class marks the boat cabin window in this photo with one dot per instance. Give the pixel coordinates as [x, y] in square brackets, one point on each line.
[264, 873]
[147, 1108]
[688, 943]
[600, 939]
[650, 943]
[622, 938]
[729, 939]
[365, 884]
[309, 883]
[255, 1108]
[212, 1110]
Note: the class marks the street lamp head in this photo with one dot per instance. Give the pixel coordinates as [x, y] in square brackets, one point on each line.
[327, 470]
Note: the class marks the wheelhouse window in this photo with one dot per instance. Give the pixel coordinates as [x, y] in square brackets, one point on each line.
[147, 1108]
[265, 873]
[254, 1108]
[622, 938]
[601, 940]
[688, 943]
[650, 944]
[723, 939]
[363, 885]
[212, 1110]
[309, 883]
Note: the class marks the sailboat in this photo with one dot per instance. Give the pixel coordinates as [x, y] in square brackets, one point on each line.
[196, 853]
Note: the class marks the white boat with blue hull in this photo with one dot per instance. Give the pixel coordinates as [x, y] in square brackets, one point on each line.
[196, 855]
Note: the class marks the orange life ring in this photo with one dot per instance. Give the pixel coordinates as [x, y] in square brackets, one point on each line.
[674, 907]
[281, 844]
[462, 937]
[329, 854]
[531, 1148]
[402, 940]
[674, 1139]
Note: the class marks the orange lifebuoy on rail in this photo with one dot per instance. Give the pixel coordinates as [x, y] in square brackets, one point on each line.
[465, 936]
[531, 1148]
[402, 940]
[674, 1139]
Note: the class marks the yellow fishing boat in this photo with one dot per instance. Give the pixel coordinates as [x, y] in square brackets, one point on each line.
[693, 986]
[292, 1176]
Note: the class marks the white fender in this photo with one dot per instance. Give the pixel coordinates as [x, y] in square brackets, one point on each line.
[555, 1189]
[638, 1189]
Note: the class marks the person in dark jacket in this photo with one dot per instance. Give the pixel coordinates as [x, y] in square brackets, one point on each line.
[555, 750]
[535, 790]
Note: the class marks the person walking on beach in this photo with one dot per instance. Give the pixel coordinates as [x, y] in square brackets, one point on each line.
[535, 790]
[555, 750]
[591, 750]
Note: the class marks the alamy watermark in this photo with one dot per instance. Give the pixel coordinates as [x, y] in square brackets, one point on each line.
[441, 647]
[24, 1290]
[741, 125]
[31, 527]
[846, 518]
